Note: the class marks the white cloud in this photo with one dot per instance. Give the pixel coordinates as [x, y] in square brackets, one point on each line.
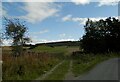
[67, 18]
[62, 35]
[108, 2]
[7, 1]
[36, 39]
[7, 42]
[79, 2]
[37, 12]
[41, 32]
[82, 20]
[74, 19]
[4, 12]
[0, 10]
[100, 2]
[69, 39]
[28, 0]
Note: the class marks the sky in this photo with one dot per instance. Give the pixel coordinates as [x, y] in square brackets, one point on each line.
[57, 21]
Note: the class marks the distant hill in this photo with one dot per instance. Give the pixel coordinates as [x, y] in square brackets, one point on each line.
[53, 44]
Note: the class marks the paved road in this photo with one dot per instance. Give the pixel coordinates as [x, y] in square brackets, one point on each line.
[107, 70]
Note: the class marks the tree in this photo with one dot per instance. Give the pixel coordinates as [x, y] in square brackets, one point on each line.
[101, 36]
[16, 30]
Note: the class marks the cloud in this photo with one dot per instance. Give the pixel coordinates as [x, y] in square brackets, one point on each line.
[37, 12]
[69, 39]
[77, 2]
[74, 19]
[36, 39]
[81, 2]
[67, 18]
[100, 2]
[0, 10]
[28, 0]
[41, 32]
[82, 20]
[108, 2]
[62, 35]
[3, 13]
[7, 42]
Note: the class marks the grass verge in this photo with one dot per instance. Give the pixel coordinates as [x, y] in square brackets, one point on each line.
[60, 72]
[83, 63]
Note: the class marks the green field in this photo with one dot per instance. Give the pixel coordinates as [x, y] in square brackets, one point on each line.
[60, 50]
[27, 67]
[60, 72]
[57, 49]
[50, 49]
[44, 58]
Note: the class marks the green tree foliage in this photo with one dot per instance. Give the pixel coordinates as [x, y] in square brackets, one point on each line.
[101, 36]
[16, 30]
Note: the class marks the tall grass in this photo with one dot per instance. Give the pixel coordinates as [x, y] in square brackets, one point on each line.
[27, 66]
[34, 64]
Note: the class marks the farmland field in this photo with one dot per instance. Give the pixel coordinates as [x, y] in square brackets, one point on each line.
[39, 61]
[57, 49]
[34, 63]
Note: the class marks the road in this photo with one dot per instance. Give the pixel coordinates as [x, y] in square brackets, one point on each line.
[107, 70]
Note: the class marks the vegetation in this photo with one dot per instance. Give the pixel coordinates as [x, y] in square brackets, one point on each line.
[15, 30]
[84, 62]
[100, 42]
[59, 73]
[48, 49]
[101, 36]
[66, 51]
[28, 66]
[34, 63]
[56, 44]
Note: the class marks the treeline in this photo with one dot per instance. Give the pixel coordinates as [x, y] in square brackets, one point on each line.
[54, 44]
[101, 36]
